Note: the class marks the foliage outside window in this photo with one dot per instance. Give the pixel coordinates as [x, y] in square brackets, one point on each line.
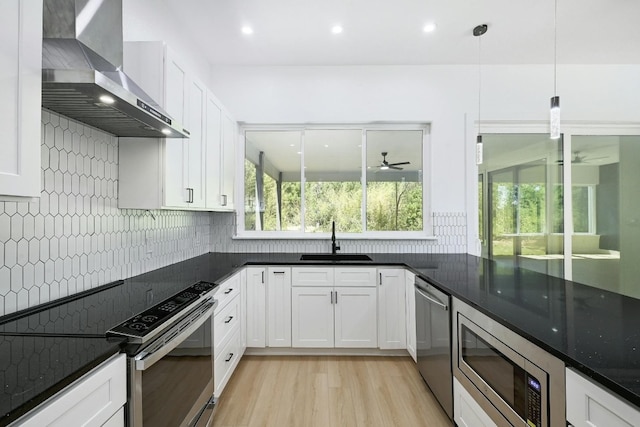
[345, 180]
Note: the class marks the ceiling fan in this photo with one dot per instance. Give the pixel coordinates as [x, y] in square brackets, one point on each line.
[581, 159]
[384, 165]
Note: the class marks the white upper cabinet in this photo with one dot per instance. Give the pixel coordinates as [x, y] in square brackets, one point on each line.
[21, 87]
[221, 139]
[165, 173]
[229, 138]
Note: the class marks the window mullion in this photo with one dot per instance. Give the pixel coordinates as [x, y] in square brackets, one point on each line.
[363, 181]
[302, 184]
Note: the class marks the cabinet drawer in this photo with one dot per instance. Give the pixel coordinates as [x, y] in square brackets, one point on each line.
[355, 276]
[225, 322]
[226, 361]
[312, 276]
[590, 405]
[228, 290]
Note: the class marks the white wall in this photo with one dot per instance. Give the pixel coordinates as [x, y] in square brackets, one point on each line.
[152, 20]
[445, 96]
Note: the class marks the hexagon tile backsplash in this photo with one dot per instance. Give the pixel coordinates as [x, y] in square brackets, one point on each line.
[75, 237]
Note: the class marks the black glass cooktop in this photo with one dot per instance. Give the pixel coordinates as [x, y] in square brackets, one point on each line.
[145, 322]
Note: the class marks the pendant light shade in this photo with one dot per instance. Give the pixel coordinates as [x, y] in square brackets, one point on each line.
[478, 31]
[479, 150]
[554, 118]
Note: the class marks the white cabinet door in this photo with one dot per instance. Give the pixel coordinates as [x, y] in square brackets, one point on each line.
[90, 401]
[355, 317]
[176, 153]
[21, 88]
[196, 183]
[466, 411]
[279, 306]
[392, 329]
[256, 303]
[312, 316]
[229, 137]
[411, 314]
[243, 309]
[213, 153]
[590, 405]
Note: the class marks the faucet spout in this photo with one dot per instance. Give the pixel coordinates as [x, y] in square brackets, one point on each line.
[334, 248]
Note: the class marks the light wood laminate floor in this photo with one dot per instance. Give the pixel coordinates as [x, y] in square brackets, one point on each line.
[328, 391]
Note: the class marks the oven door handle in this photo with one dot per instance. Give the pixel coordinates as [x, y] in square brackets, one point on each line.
[145, 360]
[432, 299]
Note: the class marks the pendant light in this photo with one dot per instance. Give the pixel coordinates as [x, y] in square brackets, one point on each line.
[554, 112]
[478, 32]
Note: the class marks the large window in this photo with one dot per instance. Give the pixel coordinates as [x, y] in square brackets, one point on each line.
[368, 179]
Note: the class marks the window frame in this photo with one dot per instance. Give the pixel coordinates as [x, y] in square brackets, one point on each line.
[427, 224]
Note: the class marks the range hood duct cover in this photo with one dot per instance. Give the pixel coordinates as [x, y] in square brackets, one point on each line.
[82, 61]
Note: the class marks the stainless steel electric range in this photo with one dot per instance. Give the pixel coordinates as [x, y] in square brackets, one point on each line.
[170, 360]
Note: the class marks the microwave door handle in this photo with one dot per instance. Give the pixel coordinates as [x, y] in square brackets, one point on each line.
[433, 300]
[146, 360]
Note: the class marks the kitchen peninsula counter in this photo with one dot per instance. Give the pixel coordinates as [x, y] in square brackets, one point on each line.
[595, 331]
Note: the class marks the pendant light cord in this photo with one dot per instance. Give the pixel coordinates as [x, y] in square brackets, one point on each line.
[479, 79]
[555, 48]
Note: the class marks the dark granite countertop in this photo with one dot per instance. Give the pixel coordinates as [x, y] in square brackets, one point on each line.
[35, 368]
[592, 330]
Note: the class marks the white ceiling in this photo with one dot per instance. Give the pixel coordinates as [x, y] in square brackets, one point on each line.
[376, 32]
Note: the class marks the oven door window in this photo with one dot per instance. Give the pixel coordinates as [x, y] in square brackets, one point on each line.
[175, 388]
[505, 377]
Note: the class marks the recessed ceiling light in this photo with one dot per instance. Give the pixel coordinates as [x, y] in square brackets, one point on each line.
[247, 30]
[107, 99]
[429, 28]
[326, 145]
[336, 29]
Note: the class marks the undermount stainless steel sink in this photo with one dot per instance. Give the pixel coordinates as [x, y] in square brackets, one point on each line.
[336, 257]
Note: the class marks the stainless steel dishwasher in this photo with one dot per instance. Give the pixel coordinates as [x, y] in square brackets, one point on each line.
[433, 333]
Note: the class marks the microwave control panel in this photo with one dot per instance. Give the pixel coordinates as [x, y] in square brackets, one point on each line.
[534, 402]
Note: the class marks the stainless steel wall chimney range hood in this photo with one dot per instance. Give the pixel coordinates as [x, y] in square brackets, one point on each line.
[82, 74]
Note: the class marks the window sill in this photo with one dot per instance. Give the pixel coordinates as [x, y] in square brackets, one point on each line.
[327, 236]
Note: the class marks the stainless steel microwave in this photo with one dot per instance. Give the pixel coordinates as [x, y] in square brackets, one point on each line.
[516, 382]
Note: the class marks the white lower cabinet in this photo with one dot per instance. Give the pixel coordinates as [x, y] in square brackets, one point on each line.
[590, 405]
[96, 399]
[279, 306]
[226, 360]
[466, 411]
[355, 317]
[392, 319]
[312, 317]
[411, 314]
[325, 315]
[227, 331]
[256, 317]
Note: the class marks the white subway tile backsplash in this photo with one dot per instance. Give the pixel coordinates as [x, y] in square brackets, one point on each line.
[75, 237]
[449, 229]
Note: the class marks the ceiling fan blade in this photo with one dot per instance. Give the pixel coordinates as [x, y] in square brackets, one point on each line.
[399, 163]
[395, 167]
